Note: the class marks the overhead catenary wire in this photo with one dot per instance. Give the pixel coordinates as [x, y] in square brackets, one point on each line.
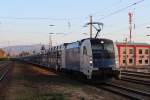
[69, 20]
[33, 18]
[140, 25]
[107, 8]
[121, 9]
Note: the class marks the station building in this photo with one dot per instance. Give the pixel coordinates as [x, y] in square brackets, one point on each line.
[133, 54]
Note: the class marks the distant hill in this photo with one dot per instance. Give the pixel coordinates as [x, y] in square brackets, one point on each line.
[15, 50]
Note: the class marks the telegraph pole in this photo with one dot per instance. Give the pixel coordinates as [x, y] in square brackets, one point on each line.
[130, 25]
[90, 26]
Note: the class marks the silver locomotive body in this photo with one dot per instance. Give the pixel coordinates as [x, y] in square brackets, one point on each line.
[91, 57]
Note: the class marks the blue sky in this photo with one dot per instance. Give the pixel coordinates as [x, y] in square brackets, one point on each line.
[27, 21]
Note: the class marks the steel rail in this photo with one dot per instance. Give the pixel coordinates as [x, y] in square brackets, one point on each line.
[4, 71]
[129, 89]
[121, 93]
[4, 74]
[125, 91]
[142, 82]
[136, 74]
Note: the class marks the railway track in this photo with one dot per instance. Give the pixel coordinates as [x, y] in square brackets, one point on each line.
[137, 74]
[121, 90]
[137, 81]
[126, 92]
[3, 63]
[4, 68]
[136, 77]
[126, 71]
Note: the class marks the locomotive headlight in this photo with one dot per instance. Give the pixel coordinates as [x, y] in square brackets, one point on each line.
[91, 62]
[116, 62]
[102, 42]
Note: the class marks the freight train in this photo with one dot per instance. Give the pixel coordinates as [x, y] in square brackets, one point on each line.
[91, 57]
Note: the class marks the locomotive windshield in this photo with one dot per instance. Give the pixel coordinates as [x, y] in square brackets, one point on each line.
[105, 47]
[103, 52]
[102, 45]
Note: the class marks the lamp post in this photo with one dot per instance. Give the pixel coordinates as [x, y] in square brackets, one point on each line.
[9, 50]
[148, 27]
[50, 40]
[85, 33]
[51, 25]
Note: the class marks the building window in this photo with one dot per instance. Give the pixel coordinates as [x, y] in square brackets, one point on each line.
[131, 51]
[146, 51]
[140, 61]
[124, 51]
[140, 51]
[146, 61]
[130, 61]
[141, 56]
[124, 57]
[124, 61]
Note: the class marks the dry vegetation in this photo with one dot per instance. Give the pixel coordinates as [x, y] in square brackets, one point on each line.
[32, 83]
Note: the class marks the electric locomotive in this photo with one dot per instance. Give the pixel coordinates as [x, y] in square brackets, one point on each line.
[91, 57]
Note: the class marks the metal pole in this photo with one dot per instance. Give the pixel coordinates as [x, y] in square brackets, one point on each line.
[148, 35]
[126, 53]
[50, 41]
[9, 50]
[149, 57]
[90, 26]
[130, 25]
